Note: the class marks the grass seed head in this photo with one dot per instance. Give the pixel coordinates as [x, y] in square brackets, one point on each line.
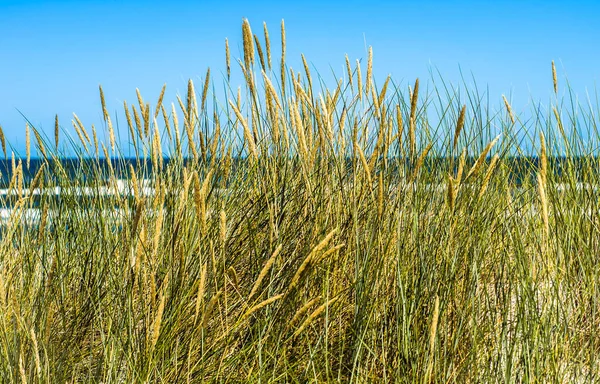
[27, 144]
[103, 103]
[248, 45]
[509, 110]
[459, 126]
[3, 140]
[369, 79]
[56, 129]
[554, 78]
[413, 116]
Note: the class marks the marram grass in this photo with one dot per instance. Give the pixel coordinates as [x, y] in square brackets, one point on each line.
[300, 234]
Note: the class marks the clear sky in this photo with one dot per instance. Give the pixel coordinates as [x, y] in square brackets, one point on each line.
[53, 54]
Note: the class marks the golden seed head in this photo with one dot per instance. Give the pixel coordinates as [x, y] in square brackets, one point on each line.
[146, 117]
[302, 310]
[159, 314]
[160, 100]
[307, 71]
[129, 123]
[358, 80]
[459, 125]
[349, 71]
[56, 129]
[223, 226]
[227, 59]
[461, 165]
[264, 271]
[111, 133]
[488, 175]
[248, 45]
[383, 91]
[138, 123]
[421, 160]
[166, 120]
[3, 141]
[103, 103]
[82, 128]
[313, 316]
[369, 79]
[508, 109]
[140, 100]
[282, 38]
[554, 78]
[201, 287]
[413, 116]
[247, 133]
[260, 305]
[261, 56]
[205, 89]
[27, 143]
[267, 44]
[434, 323]
[79, 134]
[482, 157]
[451, 196]
[191, 101]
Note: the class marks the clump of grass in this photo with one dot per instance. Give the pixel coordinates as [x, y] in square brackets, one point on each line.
[294, 233]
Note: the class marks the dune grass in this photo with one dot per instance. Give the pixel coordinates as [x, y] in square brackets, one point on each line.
[297, 233]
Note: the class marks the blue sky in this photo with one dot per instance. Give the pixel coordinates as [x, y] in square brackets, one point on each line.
[55, 53]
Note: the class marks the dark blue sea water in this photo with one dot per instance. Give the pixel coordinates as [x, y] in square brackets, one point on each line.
[521, 167]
